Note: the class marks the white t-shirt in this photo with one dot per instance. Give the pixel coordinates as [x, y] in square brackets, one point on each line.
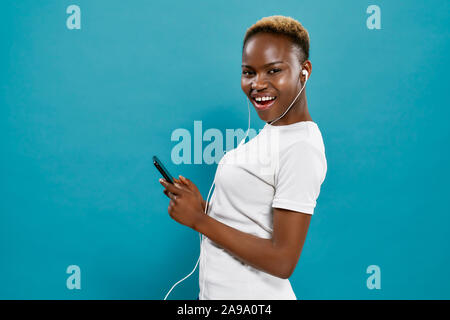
[282, 167]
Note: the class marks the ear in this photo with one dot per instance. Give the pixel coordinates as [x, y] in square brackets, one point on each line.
[306, 70]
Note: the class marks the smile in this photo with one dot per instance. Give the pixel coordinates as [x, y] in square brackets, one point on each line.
[263, 103]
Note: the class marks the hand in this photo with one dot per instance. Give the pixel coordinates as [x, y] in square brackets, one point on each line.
[185, 206]
[191, 186]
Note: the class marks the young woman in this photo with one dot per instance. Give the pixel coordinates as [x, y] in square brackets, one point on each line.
[260, 211]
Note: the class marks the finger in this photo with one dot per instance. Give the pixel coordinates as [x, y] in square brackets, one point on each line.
[168, 194]
[174, 188]
[185, 180]
[189, 184]
[184, 183]
[179, 183]
[173, 197]
[181, 179]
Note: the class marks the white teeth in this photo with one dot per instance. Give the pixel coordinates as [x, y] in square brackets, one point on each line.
[259, 99]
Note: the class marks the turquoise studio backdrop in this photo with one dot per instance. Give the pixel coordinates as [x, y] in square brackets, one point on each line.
[91, 90]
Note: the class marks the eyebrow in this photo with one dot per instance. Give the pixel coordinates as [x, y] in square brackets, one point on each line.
[267, 64]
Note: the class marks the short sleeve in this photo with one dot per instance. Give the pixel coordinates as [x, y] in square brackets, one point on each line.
[300, 173]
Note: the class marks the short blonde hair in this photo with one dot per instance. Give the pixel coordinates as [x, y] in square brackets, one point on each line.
[286, 26]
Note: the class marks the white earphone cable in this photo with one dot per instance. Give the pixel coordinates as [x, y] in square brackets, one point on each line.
[203, 252]
[306, 80]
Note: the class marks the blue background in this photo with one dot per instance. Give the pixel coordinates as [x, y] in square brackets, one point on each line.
[83, 111]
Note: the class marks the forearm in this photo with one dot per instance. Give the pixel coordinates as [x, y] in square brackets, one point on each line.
[204, 204]
[258, 252]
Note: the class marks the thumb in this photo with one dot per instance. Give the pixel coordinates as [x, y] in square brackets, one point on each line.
[185, 180]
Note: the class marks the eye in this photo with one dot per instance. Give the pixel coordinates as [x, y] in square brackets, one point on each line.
[275, 70]
[246, 72]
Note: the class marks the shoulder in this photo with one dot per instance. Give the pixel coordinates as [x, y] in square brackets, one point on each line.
[301, 150]
[302, 159]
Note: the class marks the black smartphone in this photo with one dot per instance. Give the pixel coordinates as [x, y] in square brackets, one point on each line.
[158, 164]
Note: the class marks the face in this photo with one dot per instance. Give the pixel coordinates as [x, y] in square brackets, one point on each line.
[271, 71]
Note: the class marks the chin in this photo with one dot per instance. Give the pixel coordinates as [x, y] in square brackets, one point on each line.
[265, 116]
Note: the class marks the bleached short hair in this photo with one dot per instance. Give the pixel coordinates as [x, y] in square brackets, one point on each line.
[285, 26]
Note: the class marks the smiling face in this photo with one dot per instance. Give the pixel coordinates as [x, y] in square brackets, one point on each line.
[271, 71]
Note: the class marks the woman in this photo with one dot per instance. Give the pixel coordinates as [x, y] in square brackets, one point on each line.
[260, 211]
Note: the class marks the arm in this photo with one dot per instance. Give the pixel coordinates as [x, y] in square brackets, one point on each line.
[277, 256]
[204, 205]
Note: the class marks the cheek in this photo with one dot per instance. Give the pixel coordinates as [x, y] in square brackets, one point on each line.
[286, 85]
[245, 85]
[286, 82]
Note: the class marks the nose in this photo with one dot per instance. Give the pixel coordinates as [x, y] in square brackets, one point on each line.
[259, 84]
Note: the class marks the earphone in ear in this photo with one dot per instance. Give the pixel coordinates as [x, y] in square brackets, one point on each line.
[305, 72]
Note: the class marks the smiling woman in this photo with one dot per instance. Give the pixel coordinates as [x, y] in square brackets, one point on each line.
[275, 51]
[260, 210]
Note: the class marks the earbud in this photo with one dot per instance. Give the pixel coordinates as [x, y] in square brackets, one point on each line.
[305, 72]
